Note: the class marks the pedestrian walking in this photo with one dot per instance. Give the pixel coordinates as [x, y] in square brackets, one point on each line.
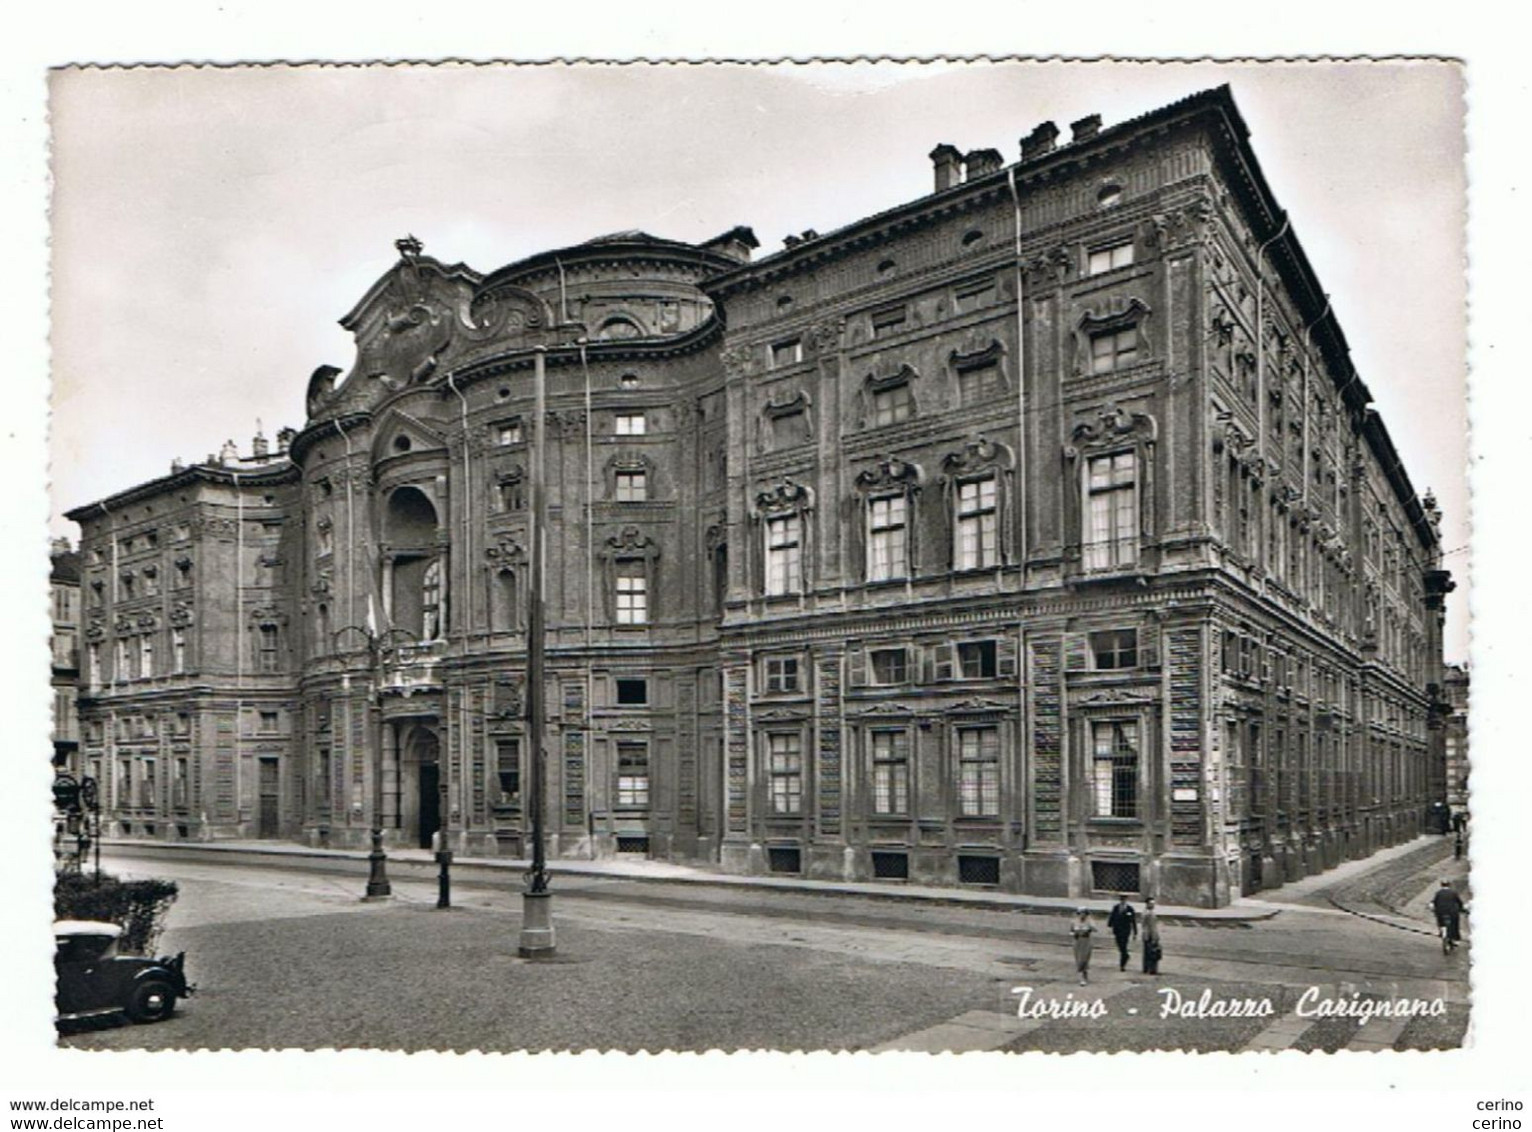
[1151, 934]
[1081, 931]
[1448, 906]
[1123, 921]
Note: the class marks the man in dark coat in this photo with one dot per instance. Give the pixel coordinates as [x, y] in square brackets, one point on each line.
[1448, 906]
[1124, 924]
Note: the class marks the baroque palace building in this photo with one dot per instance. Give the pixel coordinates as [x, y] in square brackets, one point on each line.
[1037, 533]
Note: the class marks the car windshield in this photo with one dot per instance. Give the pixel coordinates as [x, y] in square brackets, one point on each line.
[83, 948]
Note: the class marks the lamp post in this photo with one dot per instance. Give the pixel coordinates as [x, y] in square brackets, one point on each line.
[378, 887]
[536, 901]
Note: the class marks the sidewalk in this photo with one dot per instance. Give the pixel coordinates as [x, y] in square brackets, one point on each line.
[664, 872]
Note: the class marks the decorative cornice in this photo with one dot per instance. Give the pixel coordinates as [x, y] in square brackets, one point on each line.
[785, 496]
[889, 472]
[977, 454]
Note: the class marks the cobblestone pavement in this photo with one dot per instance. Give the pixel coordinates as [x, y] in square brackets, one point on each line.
[290, 957]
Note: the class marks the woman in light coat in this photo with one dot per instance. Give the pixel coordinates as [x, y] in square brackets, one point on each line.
[1081, 931]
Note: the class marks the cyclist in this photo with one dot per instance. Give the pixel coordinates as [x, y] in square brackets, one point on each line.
[1448, 906]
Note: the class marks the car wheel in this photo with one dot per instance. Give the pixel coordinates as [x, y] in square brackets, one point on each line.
[152, 1000]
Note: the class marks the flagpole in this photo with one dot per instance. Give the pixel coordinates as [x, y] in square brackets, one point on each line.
[536, 901]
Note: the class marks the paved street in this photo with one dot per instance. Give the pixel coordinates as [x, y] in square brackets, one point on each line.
[286, 955]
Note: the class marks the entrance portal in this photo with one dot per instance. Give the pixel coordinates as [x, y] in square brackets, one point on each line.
[430, 803]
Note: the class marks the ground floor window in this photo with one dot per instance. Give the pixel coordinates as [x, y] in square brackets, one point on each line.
[891, 772]
[978, 771]
[632, 776]
[785, 757]
[1114, 768]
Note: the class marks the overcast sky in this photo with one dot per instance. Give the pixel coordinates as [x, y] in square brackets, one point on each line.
[210, 225]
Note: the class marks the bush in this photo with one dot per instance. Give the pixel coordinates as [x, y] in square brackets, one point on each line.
[138, 906]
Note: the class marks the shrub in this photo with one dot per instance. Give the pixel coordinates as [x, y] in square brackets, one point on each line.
[138, 906]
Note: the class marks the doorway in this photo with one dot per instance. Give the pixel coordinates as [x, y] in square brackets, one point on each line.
[430, 802]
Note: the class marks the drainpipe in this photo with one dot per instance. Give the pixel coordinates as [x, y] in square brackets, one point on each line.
[467, 512]
[1021, 392]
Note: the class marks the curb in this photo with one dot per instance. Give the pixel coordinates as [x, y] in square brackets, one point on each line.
[1233, 916]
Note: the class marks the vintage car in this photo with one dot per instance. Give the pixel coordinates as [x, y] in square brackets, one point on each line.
[93, 980]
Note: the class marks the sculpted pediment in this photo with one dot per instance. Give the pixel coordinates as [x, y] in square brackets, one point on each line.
[417, 321]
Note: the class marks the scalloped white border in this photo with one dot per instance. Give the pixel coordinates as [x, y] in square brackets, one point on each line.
[315, 1090]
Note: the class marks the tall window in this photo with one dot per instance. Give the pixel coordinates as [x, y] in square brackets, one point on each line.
[979, 772]
[1113, 350]
[887, 548]
[146, 655]
[785, 766]
[508, 769]
[178, 783]
[1111, 533]
[266, 643]
[148, 796]
[632, 487]
[431, 602]
[891, 772]
[120, 670]
[93, 664]
[978, 538]
[1114, 769]
[632, 776]
[632, 592]
[784, 560]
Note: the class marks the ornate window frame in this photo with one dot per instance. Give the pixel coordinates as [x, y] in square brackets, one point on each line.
[889, 478]
[979, 459]
[874, 384]
[1133, 315]
[779, 406]
[630, 545]
[786, 499]
[1115, 430]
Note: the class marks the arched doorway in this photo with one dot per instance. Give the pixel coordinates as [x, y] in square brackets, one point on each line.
[420, 796]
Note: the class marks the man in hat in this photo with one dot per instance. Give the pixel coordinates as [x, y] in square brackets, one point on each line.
[1124, 924]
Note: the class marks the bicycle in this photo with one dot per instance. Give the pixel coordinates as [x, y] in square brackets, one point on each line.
[1447, 929]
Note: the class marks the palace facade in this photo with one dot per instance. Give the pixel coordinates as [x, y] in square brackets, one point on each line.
[1036, 534]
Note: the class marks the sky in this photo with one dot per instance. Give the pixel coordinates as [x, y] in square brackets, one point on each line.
[210, 225]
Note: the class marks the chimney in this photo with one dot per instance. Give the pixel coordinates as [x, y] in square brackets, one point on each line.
[791, 241]
[947, 161]
[1039, 142]
[737, 243]
[1086, 128]
[980, 162]
[285, 440]
[177, 466]
[258, 446]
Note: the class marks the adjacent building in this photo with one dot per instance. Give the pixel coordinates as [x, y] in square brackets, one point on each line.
[64, 599]
[1036, 534]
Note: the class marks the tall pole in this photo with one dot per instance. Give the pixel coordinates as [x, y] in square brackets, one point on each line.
[536, 900]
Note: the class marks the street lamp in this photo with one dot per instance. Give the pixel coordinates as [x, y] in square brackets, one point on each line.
[378, 887]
